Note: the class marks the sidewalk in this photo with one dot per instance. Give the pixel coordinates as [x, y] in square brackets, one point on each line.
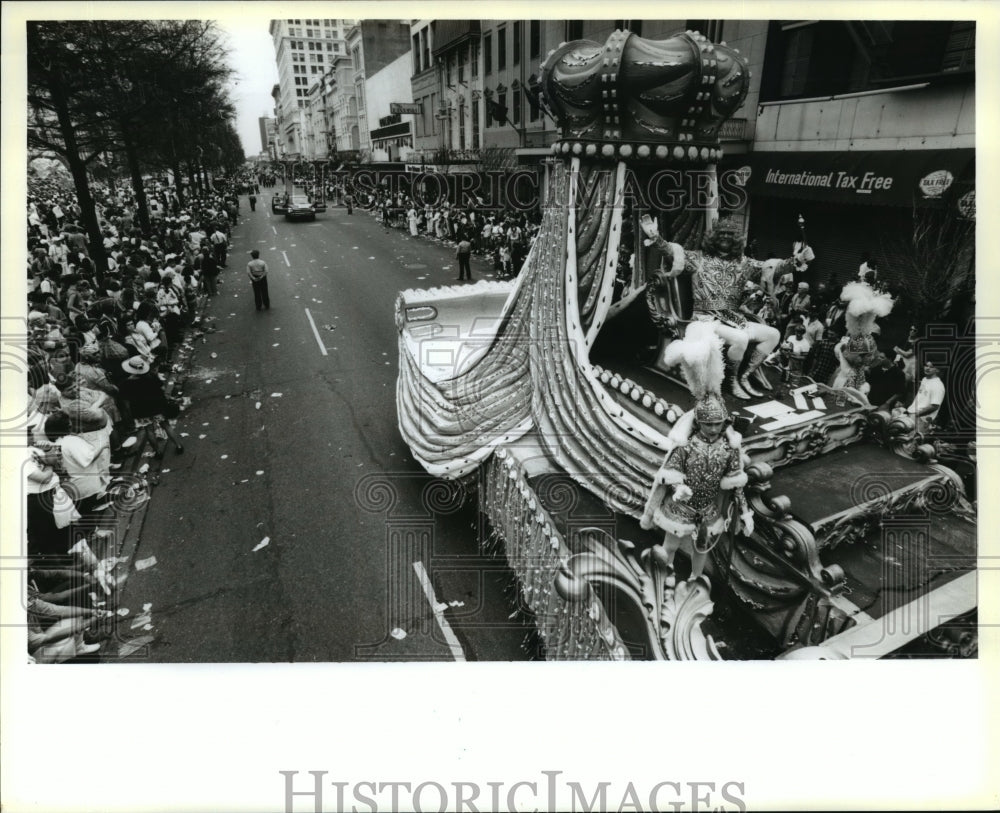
[118, 534]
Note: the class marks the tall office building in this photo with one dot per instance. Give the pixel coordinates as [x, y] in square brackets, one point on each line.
[304, 50]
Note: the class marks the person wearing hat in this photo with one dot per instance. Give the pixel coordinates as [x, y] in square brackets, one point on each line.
[148, 405]
[702, 478]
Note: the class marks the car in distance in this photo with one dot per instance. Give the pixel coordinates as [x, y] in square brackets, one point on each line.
[299, 208]
[279, 204]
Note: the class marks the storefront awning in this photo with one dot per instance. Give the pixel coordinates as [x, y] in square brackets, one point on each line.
[884, 178]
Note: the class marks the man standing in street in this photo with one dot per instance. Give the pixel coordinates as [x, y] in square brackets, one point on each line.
[253, 202]
[257, 271]
[463, 253]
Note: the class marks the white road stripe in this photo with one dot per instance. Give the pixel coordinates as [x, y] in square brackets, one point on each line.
[274, 229]
[449, 635]
[286, 259]
[319, 341]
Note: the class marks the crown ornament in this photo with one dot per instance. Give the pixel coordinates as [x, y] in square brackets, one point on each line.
[634, 98]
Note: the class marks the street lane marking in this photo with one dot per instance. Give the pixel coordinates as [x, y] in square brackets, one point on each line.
[319, 341]
[274, 229]
[286, 259]
[449, 635]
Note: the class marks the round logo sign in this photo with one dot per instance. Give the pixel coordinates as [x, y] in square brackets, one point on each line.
[936, 183]
[967, 205]
[742, 175]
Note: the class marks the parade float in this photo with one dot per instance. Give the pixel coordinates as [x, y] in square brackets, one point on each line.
[840, 536]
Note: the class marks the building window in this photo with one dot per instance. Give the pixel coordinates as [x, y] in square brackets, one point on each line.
[516, 59]
[474, 59]
[447, 71]
[535, 36]
[416, 53]
[532, 108]
[475, 124]
[426, 39]
[502, 102]
[463, 54]
[515, 102]
[461, 126]
[488, 54]
[501, 48]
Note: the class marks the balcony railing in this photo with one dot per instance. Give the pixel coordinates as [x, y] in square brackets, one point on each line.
[733, 130]
[455, 156]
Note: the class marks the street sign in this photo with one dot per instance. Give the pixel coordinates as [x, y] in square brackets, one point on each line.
[404, 107]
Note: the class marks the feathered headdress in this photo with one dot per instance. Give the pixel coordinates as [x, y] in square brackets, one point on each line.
[864, 306]
[699, 354]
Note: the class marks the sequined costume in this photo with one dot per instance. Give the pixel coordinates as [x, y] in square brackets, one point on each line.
[717, 285]
[708, 469]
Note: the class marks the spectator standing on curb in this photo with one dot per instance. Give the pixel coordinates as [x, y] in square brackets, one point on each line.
[151, 409]
[930, 396]
[257, 271]
[464, 253]
[209, 272]
[219, 244]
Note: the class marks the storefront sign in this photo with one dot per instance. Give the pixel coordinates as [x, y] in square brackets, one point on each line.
[888, 178]
[936, 183]
[861, 184]
[967, 205]
[404, 107]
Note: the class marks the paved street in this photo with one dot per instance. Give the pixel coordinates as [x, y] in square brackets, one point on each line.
[292, 436]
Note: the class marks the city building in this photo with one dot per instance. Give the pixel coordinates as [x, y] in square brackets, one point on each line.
[862, 128]
[304, 49]
[379, 50]
[266, 126]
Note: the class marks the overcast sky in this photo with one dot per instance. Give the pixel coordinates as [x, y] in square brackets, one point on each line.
[252, 59]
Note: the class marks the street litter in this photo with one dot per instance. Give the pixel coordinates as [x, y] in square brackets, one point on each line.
[257, 405]
[202, 437]
[147, 607]
[261, 471]
[223, 457]
[262, 544]
[123, 612]
[145, 564]
[275, 394]
[398, 634]
[134, 645]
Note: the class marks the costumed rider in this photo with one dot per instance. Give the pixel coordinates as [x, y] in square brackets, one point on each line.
[690, 498]
[857, 351]
[718, 276]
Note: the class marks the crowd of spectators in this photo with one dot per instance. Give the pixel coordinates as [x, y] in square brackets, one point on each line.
[502, 236]
[101, 347]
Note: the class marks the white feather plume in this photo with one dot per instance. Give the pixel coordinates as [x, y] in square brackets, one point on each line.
[700, 355]
[864, 306]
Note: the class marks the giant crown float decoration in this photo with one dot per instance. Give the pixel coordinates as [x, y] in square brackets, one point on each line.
[633, 98]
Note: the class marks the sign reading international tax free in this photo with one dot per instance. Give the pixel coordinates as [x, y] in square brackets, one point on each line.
[888, 178]
[862, 185]
[399, 108]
